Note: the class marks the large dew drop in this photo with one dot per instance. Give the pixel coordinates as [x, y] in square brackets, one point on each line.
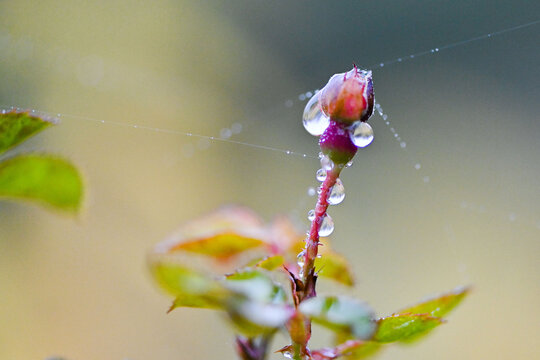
[321, 175]
[337, 194]
[327, 226]
[314, 119]
[361, 134]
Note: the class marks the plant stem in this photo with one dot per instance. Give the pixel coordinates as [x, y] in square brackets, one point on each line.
[252, 348]
[308, 276]
[312, 245]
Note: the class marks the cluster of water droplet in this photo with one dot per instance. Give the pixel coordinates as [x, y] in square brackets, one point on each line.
[335, 195]
[316, 121]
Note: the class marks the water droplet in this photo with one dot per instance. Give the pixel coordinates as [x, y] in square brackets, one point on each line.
[321, 175]
[403, 144]
[349, 164]
[385, 117]
[311, 215]
[314, 120]
[417, 166]
[311, 191]
[381, 64]
[326, 163]
[362, 134]
[301, 258]
[426, 179]
[287, 354]
[225, 133]
[302, 97]
[236, 128]
[337, 194]
[327, 226]
[289, 103]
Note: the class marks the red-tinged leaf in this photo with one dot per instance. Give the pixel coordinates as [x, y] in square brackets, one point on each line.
[334, 266]
[221, 246]
[439, 305]
[352, 350]
[222, 234]
[285, 236]
[403, 326]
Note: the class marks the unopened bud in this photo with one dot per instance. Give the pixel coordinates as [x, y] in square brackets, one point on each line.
[348, 97]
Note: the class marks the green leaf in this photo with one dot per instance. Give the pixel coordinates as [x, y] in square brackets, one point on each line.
[254, 318]
[335, 267]
[45, 179]
[259, 305]
[221, 245]
[191, 288]
[340, 314]
[270, 263]
[255, 285]
[404, 326]
[15, 127]
[439, 305]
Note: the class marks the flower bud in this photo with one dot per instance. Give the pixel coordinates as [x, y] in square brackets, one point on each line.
[336, 143]
[348, 97]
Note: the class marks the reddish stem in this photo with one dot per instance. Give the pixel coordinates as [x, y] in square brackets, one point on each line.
[312, 246]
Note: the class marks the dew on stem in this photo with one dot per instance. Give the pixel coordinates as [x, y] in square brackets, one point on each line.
[327, 226]
[321, 174]
[337, 194]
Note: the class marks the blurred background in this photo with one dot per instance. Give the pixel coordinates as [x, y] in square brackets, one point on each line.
[239, 70]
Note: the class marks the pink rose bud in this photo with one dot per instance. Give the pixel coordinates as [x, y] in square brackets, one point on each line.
[348, 97]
